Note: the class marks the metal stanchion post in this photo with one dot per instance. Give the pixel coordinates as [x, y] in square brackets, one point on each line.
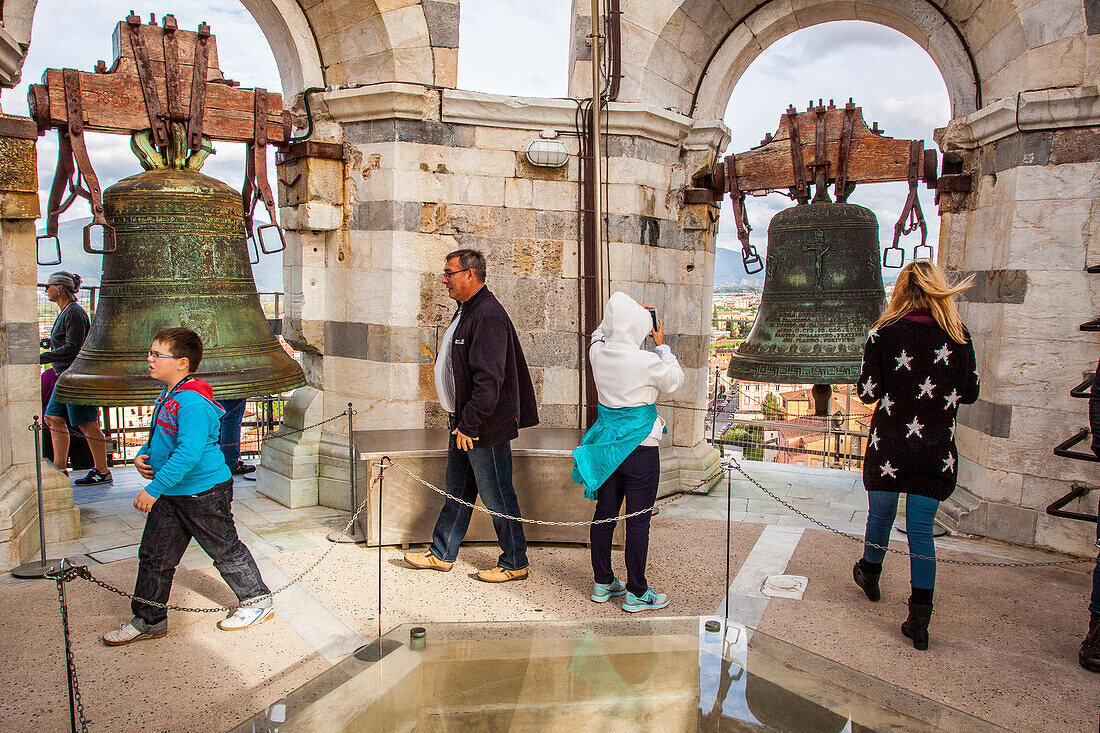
[38, 568]
[355, 534]
[714, 406]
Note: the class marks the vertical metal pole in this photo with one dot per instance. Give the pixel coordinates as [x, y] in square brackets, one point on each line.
[597, 173]
[37, 568]
[38, 480]
[714, 407]
[381, 493]
[68, 651]
[354, 534]
[351, 459]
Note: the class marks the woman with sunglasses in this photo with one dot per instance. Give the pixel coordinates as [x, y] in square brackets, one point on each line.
[67, 335]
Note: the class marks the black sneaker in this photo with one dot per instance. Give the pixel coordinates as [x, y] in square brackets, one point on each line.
[94, 478]
[240, 468]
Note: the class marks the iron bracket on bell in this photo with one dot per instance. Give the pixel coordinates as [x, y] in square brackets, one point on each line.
[801, 177]
[198, 88]
[148, 84]
[912, 217]
[725, 177]
[79, 152]
[841, 189]
[256, 185]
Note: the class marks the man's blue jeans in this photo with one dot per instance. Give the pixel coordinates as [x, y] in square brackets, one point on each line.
[919, 513]
[484, 471]
[231, 431]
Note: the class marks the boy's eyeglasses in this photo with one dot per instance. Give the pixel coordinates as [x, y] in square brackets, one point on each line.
[155, 355]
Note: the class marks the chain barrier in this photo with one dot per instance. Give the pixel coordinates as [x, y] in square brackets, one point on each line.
[552, 523]
[862, 541]
[62, 575]
[82, 572]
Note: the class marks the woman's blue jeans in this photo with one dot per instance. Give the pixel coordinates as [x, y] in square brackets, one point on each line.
[919, 513]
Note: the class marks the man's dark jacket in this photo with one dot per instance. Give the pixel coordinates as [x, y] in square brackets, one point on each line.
[494, 396]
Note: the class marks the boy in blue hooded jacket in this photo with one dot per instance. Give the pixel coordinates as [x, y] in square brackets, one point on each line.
[190, 493]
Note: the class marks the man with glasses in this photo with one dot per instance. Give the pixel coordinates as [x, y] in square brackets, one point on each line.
[482, 381]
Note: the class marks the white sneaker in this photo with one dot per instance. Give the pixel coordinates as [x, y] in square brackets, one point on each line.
[242, 618]
[128, 632]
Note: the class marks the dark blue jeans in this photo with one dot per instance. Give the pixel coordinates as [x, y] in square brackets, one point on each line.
[636, 480]
[231, 431]
[484, 471]
[919, 513]
[172, 522]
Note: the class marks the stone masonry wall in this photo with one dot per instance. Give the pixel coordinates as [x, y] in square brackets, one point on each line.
[19, 370]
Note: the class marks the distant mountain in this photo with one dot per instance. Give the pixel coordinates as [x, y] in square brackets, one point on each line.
[268, 273]
[730, 270]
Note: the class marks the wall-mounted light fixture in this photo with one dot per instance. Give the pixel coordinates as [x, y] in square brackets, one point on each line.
[547, 152]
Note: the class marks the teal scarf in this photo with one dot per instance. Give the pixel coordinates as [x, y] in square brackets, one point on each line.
[613, 437]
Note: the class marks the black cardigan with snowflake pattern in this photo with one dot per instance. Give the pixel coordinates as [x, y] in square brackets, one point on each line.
[919, 377]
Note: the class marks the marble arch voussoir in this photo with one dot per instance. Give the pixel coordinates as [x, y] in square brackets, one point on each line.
[698, 49]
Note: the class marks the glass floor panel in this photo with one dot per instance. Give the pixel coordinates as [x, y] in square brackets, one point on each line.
[668, 674]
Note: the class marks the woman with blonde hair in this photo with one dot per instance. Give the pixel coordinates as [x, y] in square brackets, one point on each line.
[918, 366]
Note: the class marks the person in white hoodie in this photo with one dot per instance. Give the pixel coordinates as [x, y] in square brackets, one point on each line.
[618, 457]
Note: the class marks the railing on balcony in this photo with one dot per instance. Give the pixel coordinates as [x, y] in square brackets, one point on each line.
[128, 427]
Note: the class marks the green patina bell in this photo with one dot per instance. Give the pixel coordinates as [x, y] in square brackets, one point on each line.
[822, 292]
[181, 260]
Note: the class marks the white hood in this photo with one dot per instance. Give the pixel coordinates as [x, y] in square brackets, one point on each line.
[625, 323]
[625, 374]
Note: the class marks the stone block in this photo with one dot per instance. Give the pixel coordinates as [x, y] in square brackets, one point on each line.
[560, 386]
[1065, 535]
[1050, 235]
[1010, 523]
[445, 61]
[442, 22]
[1058, 64]
[1061, 182]
[1038, 373]
[519, 193]
[536, 257]
[386, 216]
[425, 132]
[555, 195]
[567, 172]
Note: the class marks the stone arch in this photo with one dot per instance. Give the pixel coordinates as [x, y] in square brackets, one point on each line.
[327, 44]
[688, 54]
[283, 23]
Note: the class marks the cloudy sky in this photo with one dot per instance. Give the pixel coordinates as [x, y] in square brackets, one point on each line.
[518, 48]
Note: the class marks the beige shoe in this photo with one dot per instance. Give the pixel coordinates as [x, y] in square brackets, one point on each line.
[500, 575]
[427, 561]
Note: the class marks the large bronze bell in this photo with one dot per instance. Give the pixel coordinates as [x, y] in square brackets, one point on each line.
[822, 292]
[181, 260]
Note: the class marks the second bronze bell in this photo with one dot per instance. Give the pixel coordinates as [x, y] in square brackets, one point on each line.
[822, 292]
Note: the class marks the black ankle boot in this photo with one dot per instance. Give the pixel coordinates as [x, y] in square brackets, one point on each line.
[1090, 647]
[916, 626]
[867, 580]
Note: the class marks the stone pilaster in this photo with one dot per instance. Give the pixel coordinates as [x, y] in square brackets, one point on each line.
[19, 371]
[1027, 232]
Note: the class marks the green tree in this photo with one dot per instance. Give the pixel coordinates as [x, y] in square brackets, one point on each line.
[750, 438]
[770, 408]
